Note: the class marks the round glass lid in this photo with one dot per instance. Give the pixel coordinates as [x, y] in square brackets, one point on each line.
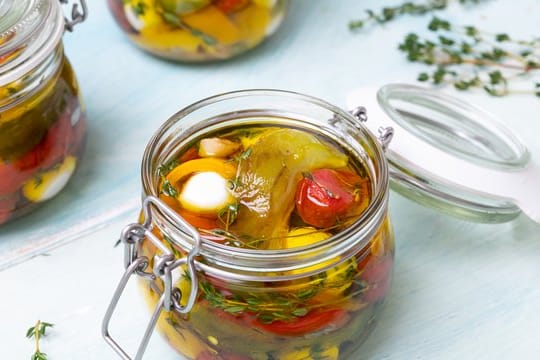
[29, 31]
[450, 155]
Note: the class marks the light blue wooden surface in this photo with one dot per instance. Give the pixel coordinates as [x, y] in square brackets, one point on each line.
[461, 290]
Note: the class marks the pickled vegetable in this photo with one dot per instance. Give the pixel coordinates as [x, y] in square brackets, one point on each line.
[286, 188]
[197, 30]
[41, 138]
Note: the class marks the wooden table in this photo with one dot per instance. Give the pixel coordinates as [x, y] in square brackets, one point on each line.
[461, 290]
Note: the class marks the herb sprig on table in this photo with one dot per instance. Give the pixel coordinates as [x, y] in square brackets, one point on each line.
[468, 57]
[464, 56]
[390, 13]
[37, 332]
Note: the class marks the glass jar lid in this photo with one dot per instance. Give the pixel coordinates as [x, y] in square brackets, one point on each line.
[452, 156]
[29, 32]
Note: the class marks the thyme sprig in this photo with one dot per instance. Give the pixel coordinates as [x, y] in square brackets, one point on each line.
[468, 57]
[390, 13]
[267, 307]
[163, 170]
[37, 332]
[286, 306]
[228, 238]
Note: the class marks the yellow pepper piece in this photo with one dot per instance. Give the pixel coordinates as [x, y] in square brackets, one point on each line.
[265, 3]
[300, 354]
[181, 339]
[214, 23]
[253, 22]
[162, 37]
[220, 166]
[326, 353]
[305, 236]
[336, 279]
[383, 240]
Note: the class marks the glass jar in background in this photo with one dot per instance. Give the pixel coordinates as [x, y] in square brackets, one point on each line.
[198, 30]
[42, 119]
[315, 292]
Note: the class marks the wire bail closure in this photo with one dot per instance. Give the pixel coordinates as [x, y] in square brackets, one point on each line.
[164, 264]
[385, 133]
[77, 16]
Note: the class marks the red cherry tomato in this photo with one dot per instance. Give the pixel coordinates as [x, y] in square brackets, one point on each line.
[230, 5]
[377, 275]
[7, 206]
[11, 178]
[314, 321]
[51, 149]
[325, 195]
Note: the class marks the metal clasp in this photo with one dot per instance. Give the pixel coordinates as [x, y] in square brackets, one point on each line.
[385, 136]
[385, 133]
[77, 16]
[164, 264]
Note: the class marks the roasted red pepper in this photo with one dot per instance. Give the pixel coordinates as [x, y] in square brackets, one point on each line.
[314, 321]
[325, 196]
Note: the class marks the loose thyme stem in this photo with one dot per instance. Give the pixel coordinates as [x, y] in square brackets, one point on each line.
[390, 13]
[38, 326]
[37, 331]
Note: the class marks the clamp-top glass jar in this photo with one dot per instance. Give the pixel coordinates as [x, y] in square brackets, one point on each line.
[266, 227]
[198, 30]
[42, 120]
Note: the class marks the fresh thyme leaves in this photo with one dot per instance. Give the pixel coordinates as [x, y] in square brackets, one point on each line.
[387, 14]
[267, 307]
[246, 153]
[36, 332]
[228, 238]
[228, 214]
[291, 303]
[172, 19]
[168, 189]
[164, 169]
[468, 57]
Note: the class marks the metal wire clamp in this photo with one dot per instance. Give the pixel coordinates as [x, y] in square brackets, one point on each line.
[164, 264]
[77, 16]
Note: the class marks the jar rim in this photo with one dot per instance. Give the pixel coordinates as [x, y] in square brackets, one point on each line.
[338, 247]
[29, 33]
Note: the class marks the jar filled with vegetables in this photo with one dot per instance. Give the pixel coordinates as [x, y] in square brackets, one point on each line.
[264, 232]
[42, 119]
[198, 30]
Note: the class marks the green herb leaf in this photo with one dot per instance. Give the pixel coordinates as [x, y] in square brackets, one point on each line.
[38, 355]
[38, 331]
[164, 169]
[168, 189]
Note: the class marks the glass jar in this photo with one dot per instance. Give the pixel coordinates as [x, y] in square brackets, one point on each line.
[212, 300]
[42, 119]
[317, 300]
[198, 30]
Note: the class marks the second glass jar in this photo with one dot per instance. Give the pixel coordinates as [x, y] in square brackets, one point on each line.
[198, 30]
